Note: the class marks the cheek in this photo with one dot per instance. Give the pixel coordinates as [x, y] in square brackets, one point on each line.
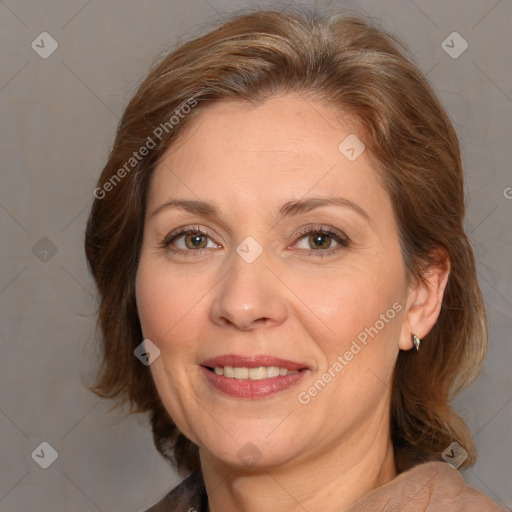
[164, 311]
[171, 306]
[160, 304]
[152, 301]
[353, 305]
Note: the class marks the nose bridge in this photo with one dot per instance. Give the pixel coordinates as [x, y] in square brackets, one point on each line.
[250, 292]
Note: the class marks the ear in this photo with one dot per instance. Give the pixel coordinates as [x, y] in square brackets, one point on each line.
[424, 300]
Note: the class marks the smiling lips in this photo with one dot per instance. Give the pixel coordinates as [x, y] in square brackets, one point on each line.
[252, 377]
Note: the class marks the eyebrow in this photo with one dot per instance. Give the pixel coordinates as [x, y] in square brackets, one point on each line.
[288, 209]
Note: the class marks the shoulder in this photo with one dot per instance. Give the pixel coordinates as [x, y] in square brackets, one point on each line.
[189, 496]
[428, 487]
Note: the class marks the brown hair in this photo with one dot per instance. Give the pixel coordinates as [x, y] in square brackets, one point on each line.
[353, 66]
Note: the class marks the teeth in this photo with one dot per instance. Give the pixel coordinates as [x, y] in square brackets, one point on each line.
[241, 373]
[259, 373]
[275, 371]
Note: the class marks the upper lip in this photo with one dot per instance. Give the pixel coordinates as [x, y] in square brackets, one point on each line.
[252, 362]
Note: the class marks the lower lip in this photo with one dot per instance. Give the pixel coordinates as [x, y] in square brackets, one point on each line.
[253, 389]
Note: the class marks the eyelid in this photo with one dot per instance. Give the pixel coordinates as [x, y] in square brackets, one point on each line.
[301, 232]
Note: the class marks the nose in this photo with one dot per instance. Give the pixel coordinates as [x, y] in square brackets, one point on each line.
[249, 295]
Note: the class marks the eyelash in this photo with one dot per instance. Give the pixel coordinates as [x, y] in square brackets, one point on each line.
[339, 237]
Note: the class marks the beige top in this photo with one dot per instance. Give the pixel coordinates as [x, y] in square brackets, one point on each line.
[430, 487]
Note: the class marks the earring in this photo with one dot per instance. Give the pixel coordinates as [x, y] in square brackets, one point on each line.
[416, 340]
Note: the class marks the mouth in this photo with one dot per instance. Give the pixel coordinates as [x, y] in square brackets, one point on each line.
[252, 377]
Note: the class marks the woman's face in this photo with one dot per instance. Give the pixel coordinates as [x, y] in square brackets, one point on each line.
[278, 316]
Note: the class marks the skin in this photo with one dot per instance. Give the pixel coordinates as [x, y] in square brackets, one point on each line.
[328, 453]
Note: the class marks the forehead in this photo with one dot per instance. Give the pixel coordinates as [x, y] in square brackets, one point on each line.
[282, 149]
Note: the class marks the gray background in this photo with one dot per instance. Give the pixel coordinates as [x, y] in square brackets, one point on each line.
[58, 121]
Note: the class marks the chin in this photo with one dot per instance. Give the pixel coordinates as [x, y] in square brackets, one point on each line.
[252, 452]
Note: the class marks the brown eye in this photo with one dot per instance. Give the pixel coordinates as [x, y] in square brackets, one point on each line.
[193, 241]
[188, 241]
[318, 241]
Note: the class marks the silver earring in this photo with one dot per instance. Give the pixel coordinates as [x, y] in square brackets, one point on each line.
[416, 340]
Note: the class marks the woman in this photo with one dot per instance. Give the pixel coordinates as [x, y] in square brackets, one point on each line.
[280, 220]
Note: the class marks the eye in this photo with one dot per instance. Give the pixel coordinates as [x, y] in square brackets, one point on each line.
[320, 239]
[187, 241]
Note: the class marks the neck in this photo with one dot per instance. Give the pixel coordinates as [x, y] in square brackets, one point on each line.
[334, 481]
